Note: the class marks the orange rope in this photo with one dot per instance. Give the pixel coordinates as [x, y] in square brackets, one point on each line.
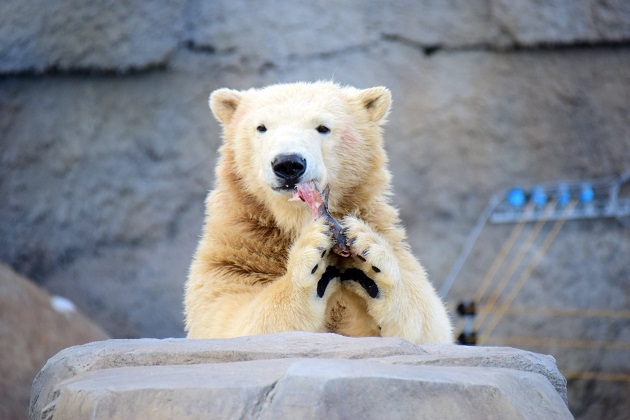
[498, 260]
[561, 342]
[569, 312]
[516, 262]
[597, 376]
[525, 274]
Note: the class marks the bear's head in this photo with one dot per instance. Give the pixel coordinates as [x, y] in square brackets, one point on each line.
[284, 134]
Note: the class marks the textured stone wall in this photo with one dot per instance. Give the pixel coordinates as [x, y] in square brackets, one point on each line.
[107, 146]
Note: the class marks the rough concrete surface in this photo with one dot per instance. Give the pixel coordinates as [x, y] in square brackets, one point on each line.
[102, 200]
[107, 146]
[301, 375]
[558, 21]
[33, 327]
[134, 35]
[38, 35]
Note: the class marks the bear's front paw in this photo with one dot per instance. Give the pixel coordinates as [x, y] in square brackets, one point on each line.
[310, 262]
[375, 266]
[329, 274]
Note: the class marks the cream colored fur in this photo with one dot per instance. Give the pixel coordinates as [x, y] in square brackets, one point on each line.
[259, 261]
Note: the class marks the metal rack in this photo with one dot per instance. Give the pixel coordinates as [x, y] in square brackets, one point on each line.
[595, 199]
[556, 202]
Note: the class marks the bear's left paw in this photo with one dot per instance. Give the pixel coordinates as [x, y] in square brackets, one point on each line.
[375, 259]
[362, 279]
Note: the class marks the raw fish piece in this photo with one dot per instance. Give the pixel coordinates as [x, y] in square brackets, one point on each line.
[317, 200]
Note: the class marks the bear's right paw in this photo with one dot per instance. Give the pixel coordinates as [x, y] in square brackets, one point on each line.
[329, 274]
[310, 257]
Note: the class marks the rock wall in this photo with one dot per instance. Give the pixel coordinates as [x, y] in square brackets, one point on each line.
[296, 375]
[107, 146]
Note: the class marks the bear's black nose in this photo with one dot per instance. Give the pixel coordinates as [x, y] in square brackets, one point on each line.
[289, 168]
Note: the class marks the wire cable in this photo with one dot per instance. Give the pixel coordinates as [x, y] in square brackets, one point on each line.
[470, 242]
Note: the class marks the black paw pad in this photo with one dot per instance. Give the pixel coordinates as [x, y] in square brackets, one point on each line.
[360, 277]
[330, 273]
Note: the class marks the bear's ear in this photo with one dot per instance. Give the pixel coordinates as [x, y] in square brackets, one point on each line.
[376, 101]
[223, 103]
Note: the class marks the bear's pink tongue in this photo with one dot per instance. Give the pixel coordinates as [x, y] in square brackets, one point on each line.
[317, 200]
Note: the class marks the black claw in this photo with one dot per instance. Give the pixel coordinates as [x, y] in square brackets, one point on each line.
[330, 273]
[360, 277]
[323, 253]
[361, 258]
[376, 269]
[315, 269]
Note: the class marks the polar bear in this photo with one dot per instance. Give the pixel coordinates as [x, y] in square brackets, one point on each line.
[264, 264]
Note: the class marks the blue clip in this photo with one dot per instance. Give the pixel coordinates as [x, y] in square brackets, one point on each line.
[516, 197]
[539, 197]
[564, 195]
[586, 194]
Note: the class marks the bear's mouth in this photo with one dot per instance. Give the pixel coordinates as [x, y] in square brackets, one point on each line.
[285, 189]
[288, 186]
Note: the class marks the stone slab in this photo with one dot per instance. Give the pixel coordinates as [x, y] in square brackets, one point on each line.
[307, 389]
[113, 354]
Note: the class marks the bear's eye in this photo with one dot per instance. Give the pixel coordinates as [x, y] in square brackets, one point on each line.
[261, 128]
[322, 129]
